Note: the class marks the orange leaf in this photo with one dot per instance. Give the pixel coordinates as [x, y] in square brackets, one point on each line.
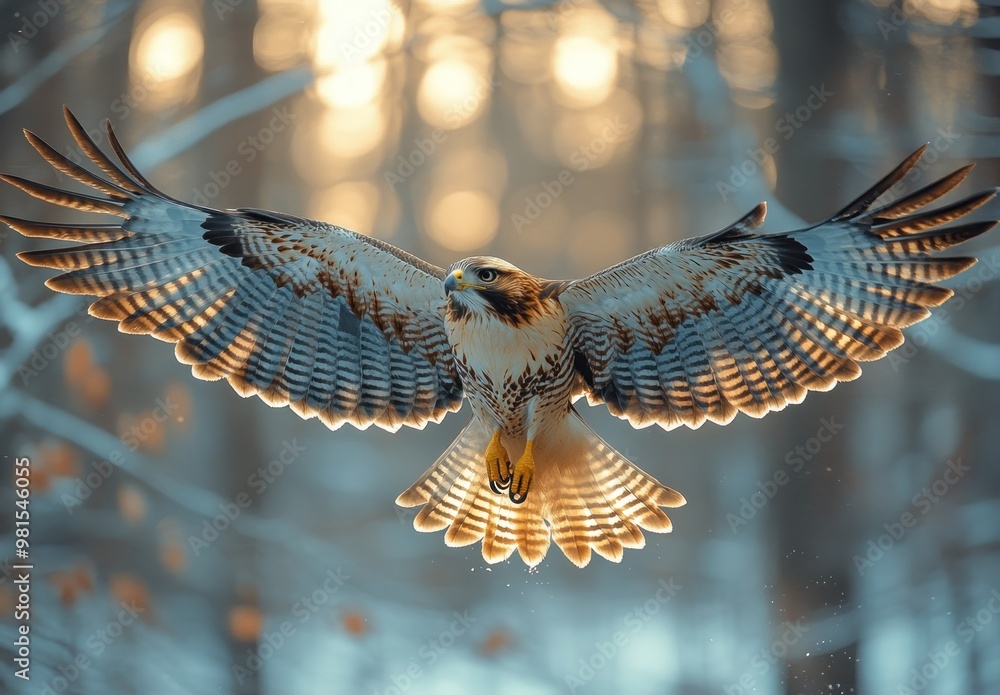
[39, 480]
[173, 556]
[66, 587]
[131, 591]
[96, 387]
[78, 362]
[354, 622]
[59, 459]
[495, 641]
[245, 623]
[131, 503]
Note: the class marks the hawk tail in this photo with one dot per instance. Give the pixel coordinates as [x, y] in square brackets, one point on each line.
[585, 495]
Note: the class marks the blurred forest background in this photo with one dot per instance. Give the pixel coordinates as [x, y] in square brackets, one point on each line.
[849, 544]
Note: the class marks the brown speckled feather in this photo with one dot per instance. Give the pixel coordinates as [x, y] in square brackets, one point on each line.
[744, 322]
[332, 323]
[350, 329]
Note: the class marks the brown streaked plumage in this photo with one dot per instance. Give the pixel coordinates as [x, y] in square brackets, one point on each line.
[346, 328]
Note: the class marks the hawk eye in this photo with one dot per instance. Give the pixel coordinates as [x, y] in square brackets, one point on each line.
[487, 275]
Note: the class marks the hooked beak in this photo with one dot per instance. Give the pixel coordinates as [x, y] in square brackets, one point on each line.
[454, 282]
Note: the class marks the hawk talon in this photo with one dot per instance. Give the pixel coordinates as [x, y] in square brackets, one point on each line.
[524, 473]
[498, 486]
[498, 473]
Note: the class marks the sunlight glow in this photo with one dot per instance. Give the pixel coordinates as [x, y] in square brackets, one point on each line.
[585, 68]
[748, 57]
[171, 46]
[348, 33]
[452, 6]
[452, 94]
[462, 220]
[280, 38]
[353, 204]
[166, 56]
[352, 86]
[352, 132]
[686, 14]
[943, 12]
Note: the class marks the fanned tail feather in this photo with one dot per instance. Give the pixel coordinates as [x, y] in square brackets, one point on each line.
[586, 497]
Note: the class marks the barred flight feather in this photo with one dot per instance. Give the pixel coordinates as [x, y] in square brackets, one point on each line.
[743, 322]
[346, 328]
[587, 498]
[300, 313]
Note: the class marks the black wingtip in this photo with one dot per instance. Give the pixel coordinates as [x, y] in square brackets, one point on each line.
[864, 201]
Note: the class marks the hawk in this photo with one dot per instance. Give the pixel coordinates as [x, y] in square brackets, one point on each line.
[343, 327]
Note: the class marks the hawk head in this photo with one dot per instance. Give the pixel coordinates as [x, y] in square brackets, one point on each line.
[485, 287]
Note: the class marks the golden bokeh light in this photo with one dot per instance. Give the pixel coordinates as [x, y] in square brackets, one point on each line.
[748, 58]
[742, 19]
[171, 46]
[352, 86]
[686, 14]
[450, 6]
[349, 33]
[658, 49]
[751, 67]
[462, 220]
[590, 139]
[351, 133]
[350, 204]
[166, 56]
[280, 38]
[585, 68]
[477, 167]
[453, 94]
[943, 12]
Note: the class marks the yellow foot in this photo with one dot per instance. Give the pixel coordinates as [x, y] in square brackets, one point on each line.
[497, 465]
[524, 472]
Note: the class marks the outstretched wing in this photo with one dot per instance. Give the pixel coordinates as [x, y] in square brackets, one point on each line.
[739, 321]
[306, 314]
